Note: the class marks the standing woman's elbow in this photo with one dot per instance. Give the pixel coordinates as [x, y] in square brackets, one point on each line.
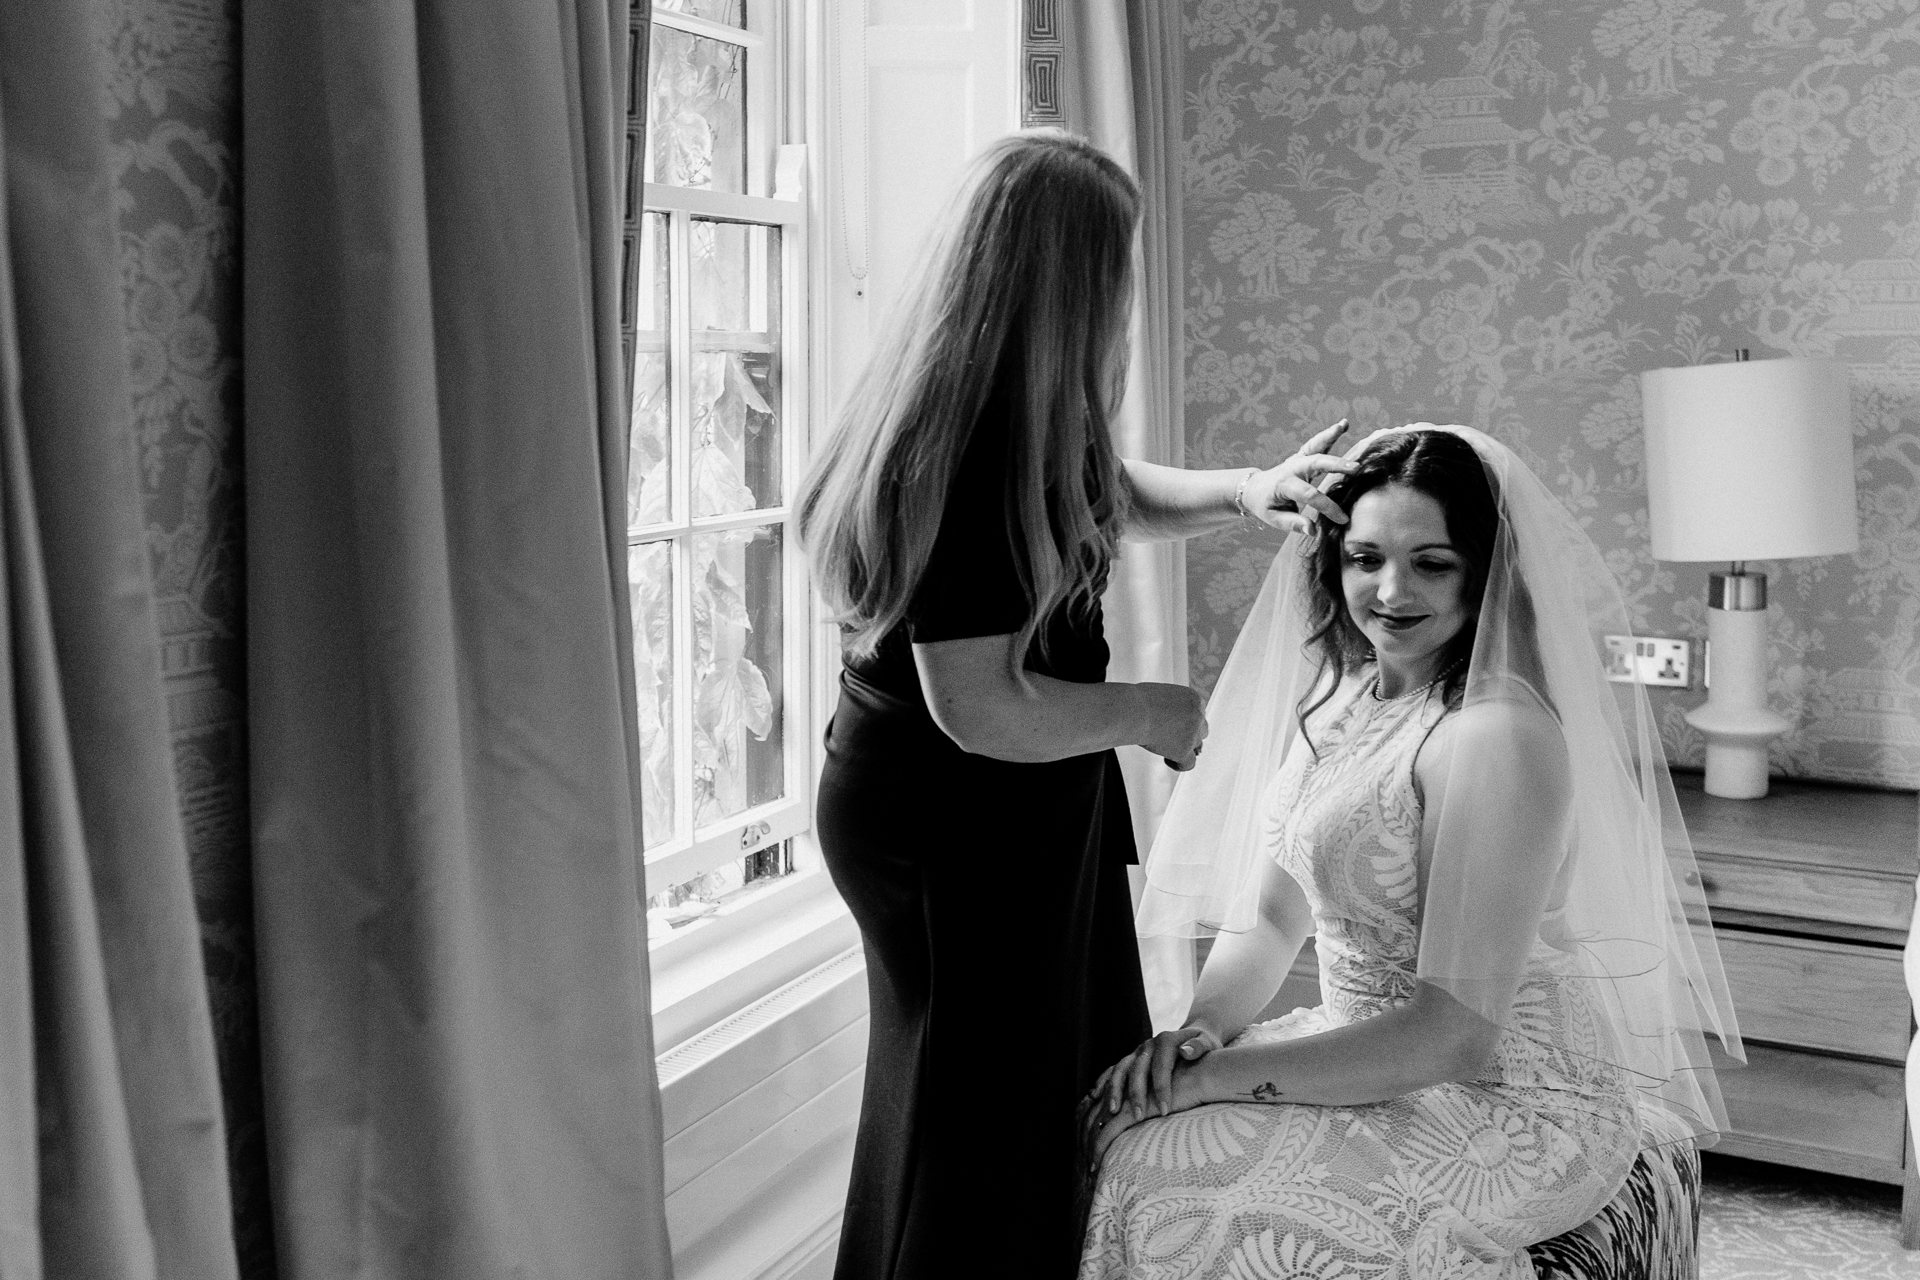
[973, 696]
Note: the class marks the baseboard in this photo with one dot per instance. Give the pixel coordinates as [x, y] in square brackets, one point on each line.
[811, 1258]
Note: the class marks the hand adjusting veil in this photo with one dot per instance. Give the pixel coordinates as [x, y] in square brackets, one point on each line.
[1625, 900]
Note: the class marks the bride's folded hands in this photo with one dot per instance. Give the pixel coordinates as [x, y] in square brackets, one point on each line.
[1429, 1040]
[1150, 1081]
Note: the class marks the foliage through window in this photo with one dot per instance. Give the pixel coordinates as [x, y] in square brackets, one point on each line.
[718, 600]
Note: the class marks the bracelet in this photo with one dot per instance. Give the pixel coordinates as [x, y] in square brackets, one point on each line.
[1240, 495]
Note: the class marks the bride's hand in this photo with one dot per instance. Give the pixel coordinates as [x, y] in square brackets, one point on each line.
[1098, 1129]
[1288, 496]
[1142, 1082]
[1139, 1085]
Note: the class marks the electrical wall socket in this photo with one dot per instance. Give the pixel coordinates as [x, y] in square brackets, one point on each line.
[1653, 660]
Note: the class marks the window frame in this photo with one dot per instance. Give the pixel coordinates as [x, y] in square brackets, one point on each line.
[694, 849]
[766, 936]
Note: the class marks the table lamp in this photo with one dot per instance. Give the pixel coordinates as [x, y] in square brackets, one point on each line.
[1747, 460]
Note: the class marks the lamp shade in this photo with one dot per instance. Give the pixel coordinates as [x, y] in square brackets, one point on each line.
[1750, 460]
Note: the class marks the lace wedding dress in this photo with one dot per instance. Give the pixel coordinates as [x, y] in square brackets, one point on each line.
[1450, 1181]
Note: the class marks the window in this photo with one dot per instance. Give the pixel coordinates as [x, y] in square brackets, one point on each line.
[715, 297]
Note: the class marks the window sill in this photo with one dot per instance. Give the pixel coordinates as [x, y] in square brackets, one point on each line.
[730, 960]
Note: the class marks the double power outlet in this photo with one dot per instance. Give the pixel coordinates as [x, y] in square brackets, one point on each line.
[1654, 660]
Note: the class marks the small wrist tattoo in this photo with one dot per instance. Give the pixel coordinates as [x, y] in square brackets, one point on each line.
[1267, 1091]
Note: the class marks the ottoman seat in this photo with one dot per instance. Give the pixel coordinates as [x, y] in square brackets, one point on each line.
[1649, 1230]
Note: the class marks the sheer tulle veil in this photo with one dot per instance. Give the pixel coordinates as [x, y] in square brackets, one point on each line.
[1626, 905]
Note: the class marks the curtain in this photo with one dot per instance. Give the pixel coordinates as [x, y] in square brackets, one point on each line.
[455, 1029]
[1121, 88]
[112, 1150]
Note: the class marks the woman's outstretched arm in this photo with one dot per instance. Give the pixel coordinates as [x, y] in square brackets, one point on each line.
[974, 698]
[1169, 503]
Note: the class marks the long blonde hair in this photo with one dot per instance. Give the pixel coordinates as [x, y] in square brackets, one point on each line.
[1036, 248]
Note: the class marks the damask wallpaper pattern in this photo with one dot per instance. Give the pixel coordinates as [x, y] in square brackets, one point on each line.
[1498, 212]
[173, 123]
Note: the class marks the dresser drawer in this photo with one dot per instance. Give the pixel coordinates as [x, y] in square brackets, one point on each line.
[1818, 1113]
[1808, 893]
[1815, 994]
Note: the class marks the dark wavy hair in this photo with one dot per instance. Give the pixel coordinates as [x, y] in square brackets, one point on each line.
[1443, 466]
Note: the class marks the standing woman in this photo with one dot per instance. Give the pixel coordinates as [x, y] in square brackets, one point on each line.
[960, 521]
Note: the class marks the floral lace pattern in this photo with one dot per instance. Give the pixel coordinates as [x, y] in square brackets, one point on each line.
[1453, 1180]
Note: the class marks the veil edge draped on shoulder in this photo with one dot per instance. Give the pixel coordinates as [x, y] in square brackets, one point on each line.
[1626, 906]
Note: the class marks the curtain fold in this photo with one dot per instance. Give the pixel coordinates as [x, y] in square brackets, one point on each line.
[456, 1038]
[112, 1147]
[1121, 88]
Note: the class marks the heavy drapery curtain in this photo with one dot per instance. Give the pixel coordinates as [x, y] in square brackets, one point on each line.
[1121, 88]
[112, 1150]
[455, 1027]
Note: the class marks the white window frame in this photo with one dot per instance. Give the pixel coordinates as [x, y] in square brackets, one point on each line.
[768, 936]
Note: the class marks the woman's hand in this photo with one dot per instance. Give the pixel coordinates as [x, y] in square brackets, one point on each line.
[1176, 723]
[1288, 496]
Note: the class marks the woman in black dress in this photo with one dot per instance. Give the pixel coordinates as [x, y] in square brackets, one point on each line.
[961, 520]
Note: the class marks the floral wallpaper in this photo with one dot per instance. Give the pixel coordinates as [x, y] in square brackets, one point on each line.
[1499, 212]
[173, 123]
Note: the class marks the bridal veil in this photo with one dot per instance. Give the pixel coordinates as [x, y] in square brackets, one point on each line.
[1625, 903]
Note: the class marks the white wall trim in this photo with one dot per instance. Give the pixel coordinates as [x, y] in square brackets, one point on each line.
[707, 1047]
[813, 1257]
[760, 1111]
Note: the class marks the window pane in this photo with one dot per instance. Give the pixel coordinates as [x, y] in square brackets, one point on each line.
[736, 366]
[650, 454]
[682, 905]
[730, 12]
[738, 755]
[650, 586]
[697, 119]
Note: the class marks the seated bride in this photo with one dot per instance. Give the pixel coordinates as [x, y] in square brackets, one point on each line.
[1417, 760]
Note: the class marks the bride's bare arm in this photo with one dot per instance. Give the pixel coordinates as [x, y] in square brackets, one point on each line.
[1245, 970]
[1520, 783]
[1242, 974]
[1430, 1039]
[1508, 766]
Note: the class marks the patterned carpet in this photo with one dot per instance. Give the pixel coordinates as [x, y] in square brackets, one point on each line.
[1767, 1222]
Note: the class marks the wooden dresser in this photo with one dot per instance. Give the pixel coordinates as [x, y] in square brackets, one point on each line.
[1811, 890]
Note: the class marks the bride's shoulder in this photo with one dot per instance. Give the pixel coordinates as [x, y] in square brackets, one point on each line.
[1509, 723]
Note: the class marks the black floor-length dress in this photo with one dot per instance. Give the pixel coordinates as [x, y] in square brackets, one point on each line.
[993, 901]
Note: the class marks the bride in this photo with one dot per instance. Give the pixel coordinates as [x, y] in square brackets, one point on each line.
[1417, 760]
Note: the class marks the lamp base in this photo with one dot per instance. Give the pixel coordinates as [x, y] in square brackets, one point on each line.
[1735, 717]
[1736, 772]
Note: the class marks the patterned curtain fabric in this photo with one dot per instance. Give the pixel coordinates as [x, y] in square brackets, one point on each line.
[455, 1033]
[112, 1150]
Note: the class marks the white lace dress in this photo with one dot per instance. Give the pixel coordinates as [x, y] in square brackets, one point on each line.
[1450, 1181]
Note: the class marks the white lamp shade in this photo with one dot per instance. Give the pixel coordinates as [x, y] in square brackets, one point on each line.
[1750, 460]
